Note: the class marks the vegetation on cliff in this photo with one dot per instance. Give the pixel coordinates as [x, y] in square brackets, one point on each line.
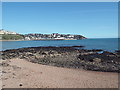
[12, 37]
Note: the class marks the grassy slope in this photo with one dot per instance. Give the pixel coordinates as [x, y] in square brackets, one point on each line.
[11, 37]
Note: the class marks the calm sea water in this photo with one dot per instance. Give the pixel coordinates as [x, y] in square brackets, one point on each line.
[108, 44]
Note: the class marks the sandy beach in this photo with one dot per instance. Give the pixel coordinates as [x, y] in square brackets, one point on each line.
[19, 73]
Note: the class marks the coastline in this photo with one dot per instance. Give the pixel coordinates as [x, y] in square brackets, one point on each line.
[12, 40]
[47, 67]
[68, 57]
[59, 44]
[38, 40]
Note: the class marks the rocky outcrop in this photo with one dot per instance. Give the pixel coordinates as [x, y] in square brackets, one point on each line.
[71, 57]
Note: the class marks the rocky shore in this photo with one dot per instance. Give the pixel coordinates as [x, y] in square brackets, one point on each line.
[70, 57]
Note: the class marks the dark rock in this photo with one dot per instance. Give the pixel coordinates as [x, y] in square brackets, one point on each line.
[4, 64]
[70, 57]
[78, 46]
[4, 72]
[20, 84]
[118, 52]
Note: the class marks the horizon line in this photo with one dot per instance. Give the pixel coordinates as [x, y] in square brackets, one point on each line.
[59, 0]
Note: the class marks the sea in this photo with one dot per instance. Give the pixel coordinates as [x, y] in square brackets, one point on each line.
[107, 44]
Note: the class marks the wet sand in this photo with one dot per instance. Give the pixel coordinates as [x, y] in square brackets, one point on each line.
[23, 74]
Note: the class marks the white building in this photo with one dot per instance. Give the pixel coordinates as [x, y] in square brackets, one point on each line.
[7, 32]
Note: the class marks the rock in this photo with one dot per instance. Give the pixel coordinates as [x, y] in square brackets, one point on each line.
[70, 57]
[97, 60]
[29, 53]
[14, 74]
[3, 86]
[4, 64]
[118, 52]
[4, 72]
[44, 53]
[20, 84]
[78, 46]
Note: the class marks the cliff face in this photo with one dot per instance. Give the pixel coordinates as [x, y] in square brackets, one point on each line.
[7, 35]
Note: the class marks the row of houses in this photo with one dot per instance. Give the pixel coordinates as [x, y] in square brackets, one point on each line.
[6, 32]
[56, 36]
[53, 36]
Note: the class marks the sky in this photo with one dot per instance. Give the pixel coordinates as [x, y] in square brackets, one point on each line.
[90, 19]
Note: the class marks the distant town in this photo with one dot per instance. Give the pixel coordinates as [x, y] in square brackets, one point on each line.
[8, 35]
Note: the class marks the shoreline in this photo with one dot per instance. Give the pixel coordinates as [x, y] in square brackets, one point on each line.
[47, 67]
[42, 40]
[11, 40]
[70, 57]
